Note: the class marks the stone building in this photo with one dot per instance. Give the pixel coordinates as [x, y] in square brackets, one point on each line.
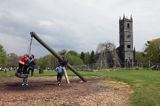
[125, 50]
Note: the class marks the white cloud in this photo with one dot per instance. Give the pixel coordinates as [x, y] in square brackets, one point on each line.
[75, 24]
[13, 44]
[45, 23]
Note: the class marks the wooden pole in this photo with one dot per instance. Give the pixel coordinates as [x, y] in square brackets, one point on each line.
[66, 76]
[33, 34]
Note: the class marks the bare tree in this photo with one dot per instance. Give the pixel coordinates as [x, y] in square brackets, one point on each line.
[107, 56]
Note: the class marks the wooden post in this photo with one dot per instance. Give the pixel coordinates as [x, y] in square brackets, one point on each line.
[66, 76]
[33, 34]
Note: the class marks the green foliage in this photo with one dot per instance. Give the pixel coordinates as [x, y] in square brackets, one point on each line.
[13, 60]
[71, 52]
[153, 50]
[82, 56]
[73, 58]
[87, 57]
[3, 56]
[47, 61]
[142, 59]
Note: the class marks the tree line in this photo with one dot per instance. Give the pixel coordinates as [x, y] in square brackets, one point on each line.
[150, 56]
[73, 57]
[47, 61]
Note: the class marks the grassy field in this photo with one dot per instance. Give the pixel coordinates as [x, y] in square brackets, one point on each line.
[145, 83]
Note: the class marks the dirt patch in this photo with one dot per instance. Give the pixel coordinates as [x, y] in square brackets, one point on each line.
[45, 92]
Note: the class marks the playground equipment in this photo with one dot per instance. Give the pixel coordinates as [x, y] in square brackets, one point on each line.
[19, 73]
[34, 35]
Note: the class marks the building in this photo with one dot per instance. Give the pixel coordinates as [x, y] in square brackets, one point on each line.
[125, 49]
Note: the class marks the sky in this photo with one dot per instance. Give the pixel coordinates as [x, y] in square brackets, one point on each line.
[78, 25]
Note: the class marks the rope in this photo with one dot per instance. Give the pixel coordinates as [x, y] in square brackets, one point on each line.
[30, 45]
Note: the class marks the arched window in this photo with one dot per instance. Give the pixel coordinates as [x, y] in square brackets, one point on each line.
[128, 25]
[128, 46]
[128, 36]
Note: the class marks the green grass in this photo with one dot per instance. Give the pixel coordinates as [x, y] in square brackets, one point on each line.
[6, 74]
[145, 83]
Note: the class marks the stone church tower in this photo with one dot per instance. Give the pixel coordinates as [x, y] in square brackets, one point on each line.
[125, 50]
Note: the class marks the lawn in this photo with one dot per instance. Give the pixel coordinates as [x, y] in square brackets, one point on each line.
[145, 83]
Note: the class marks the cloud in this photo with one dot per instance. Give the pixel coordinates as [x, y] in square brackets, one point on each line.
[74, 24]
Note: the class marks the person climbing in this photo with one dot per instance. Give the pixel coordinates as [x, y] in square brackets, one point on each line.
[60, 72]
[31, 65]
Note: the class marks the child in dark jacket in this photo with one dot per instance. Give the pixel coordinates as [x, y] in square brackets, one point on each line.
[31, 65]
[60, 72]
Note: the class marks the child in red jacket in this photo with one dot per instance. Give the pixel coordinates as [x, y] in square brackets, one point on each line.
[22, 61]
[22, 69]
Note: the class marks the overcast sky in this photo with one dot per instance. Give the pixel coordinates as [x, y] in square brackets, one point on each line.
[78, 25]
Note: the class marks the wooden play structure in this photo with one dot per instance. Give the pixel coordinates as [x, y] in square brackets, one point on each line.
[34, 35]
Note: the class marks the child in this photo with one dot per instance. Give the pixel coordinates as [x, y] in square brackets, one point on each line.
[22, 62]
[25, 72]
[31, 65]
[60, 73]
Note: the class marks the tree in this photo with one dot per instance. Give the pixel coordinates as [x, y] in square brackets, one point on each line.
[92, 57]
[3, 56]
[48, 61]
[13, 60]
[107, 56]
[74, 58]
[72, 53]
[87, 58]
[82, 56]
[141, 59]
[152, 51]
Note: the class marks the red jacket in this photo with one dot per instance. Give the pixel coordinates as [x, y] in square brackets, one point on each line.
[23, 59]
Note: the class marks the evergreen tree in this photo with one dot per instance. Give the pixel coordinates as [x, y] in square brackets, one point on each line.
[92, 57]
[82, 56]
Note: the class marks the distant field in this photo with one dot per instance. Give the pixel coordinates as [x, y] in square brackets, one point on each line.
[145, 83]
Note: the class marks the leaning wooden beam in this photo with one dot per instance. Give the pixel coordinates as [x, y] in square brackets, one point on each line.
[33, 34]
